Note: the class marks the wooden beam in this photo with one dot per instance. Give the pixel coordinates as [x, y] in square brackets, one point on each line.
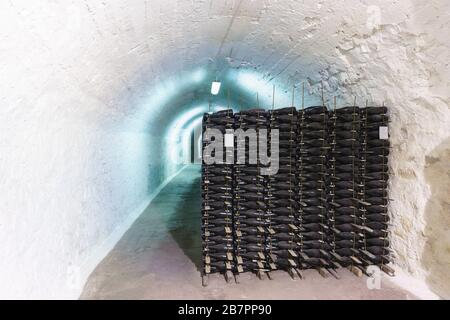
[356, 271]
[334, 273]
[260, 274]
[292, 273]
[323, 272]
[388, 270]
[300, 274]
[228, 276]
[205, 280]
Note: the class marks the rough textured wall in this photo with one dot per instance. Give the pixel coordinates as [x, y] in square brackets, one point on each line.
[71, 176]
[89, 89]
[404, 61]
[436, 254]
[66, 190]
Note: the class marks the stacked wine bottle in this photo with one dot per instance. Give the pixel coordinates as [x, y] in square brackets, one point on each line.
[374, 177]
[250, 210]
[323, 207]
[312, 173]
[282, 238]
[217, 199]
[344, 198]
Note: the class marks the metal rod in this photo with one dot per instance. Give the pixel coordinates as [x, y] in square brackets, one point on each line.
[303, 95]
[323, 100]
[228, 98]
[257, 99]
[273, 98]
[293, 92]
[334, 103]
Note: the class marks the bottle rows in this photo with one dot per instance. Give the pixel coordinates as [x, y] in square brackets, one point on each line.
[325, 206]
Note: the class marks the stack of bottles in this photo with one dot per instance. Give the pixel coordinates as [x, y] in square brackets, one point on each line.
[374, 176]
[217, 202]
[250, 206]
[324, 207]
[312, 177]
[282, 238]
[344, 198]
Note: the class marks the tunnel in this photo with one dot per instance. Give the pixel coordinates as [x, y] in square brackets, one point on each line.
[100, 117]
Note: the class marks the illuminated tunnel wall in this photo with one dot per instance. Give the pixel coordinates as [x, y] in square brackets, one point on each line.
[95, 97]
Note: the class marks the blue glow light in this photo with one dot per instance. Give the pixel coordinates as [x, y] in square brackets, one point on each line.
[176, 131]
[254, 83]
[161, 95]
[186, 134]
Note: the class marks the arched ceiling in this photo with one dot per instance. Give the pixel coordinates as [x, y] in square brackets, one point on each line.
[118, 52]
[153, 57]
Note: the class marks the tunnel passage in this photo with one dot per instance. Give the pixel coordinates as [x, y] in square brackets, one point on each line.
[96, 97]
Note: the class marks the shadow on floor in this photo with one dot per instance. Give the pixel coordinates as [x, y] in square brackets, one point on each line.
[436, 254]
[187, 233]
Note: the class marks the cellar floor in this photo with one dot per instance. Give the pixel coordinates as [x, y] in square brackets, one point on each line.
[159, 258]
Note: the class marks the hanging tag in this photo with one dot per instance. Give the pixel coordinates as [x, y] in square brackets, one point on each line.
[384, 133]
[229, 139]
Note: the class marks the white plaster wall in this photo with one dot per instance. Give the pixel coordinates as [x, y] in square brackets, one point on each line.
[89, 89]
[72, 177]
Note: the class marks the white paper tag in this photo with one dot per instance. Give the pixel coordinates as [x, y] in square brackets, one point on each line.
[384, 133]
[229, 140]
